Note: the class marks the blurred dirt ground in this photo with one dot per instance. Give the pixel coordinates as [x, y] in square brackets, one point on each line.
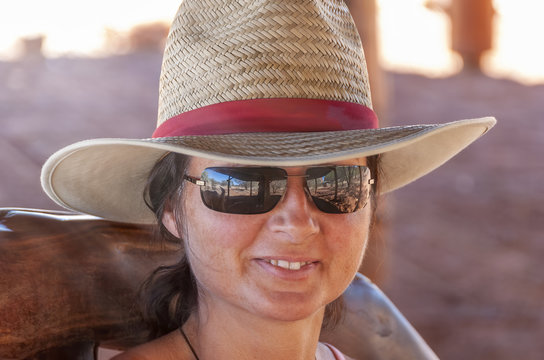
[464, 245]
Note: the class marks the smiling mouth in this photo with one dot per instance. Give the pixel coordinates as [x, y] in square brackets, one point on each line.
[295, 265]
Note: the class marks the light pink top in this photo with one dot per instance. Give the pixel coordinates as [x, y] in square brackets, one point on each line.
[337, 354]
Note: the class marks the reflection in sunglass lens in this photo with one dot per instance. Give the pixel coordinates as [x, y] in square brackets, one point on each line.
[238, 190]
[338, 189]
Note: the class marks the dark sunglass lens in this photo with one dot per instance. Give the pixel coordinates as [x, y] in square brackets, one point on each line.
[339, 189]
[242, 190]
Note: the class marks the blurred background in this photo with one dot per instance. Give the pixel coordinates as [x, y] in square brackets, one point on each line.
[459, 251]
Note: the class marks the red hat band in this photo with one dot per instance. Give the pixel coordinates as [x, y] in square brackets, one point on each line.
[269, 115]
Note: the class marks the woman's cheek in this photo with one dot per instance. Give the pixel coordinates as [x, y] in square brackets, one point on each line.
[350, 240]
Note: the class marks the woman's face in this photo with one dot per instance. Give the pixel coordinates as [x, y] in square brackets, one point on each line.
[232, 255]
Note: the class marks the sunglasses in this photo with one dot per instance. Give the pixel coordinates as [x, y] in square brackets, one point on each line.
[257, 190]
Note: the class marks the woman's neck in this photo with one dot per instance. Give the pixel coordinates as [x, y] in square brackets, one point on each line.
[227, 332]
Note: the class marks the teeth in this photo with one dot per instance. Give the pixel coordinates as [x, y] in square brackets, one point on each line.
[288, 265]
[294, 266]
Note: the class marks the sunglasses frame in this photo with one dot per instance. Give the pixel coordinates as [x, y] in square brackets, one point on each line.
[199, 182]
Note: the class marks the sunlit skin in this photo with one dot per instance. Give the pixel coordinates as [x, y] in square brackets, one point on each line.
[248, 308]
[227, 254]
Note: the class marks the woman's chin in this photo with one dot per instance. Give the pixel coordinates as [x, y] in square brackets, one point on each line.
[290, 307]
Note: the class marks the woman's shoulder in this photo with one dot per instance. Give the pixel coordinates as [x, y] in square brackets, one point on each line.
[143, 352]
[164, 348]
[129, 355]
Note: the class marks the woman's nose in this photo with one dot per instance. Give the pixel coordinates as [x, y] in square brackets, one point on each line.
[295, 216]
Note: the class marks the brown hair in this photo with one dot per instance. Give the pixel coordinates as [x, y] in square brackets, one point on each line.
[170, 294]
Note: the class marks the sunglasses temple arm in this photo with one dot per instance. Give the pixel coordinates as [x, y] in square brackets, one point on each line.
[194, 180]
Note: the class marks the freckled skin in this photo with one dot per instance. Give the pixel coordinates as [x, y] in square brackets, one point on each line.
[225, 251]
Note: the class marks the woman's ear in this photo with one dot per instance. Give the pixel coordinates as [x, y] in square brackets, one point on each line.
[169, 222]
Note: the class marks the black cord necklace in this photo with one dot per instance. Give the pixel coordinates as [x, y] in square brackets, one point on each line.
[188, 343]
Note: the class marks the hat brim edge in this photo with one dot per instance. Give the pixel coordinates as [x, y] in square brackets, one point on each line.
[397, 171]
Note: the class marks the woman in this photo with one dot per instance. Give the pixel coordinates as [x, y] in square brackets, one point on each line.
[264, 164]
[269, 269]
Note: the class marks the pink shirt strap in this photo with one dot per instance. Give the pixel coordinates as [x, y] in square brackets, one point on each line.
[337, 354]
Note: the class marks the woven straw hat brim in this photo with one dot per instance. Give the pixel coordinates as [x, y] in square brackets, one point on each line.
[107, 177]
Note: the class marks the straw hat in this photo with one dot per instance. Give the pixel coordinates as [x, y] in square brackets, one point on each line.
[254, 82]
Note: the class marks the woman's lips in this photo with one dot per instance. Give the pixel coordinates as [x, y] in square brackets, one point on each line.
[288, 269]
